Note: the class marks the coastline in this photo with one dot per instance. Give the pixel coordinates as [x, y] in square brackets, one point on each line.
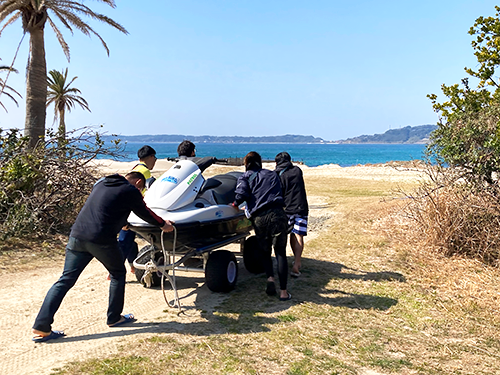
[391, 171]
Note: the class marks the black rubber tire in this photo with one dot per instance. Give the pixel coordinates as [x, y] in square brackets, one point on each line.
[221, 271]
[252, 255]
[144, 257]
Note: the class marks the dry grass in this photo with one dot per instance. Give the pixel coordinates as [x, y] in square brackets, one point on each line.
[370, 301]
[455, 217]
[17, 254]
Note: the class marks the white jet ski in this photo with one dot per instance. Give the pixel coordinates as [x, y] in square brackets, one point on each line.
[204, 221]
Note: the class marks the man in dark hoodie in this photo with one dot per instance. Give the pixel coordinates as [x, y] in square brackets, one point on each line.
[93, 235]
[296, 207]
[260, 189]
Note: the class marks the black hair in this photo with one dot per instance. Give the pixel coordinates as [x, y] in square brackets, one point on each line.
[134, 175]
[252, 160]
[186, 148]
[282, 156]
[145, 151]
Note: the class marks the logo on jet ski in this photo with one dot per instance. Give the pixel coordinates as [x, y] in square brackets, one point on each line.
[192, 178]
[219, 213]
[171, 179]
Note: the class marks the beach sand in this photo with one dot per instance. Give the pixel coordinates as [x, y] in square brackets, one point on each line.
[393, 171]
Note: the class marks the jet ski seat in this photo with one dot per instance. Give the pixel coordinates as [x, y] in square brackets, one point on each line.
[223, 186]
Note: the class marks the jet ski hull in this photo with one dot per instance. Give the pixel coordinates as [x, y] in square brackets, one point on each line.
[195, 234]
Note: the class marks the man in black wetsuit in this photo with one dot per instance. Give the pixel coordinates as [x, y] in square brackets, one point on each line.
[94, 235]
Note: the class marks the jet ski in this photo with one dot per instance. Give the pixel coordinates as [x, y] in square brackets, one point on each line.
[204, 222]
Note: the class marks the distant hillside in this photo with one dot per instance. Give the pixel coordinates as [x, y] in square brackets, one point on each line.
[408, 134]
[175, 138]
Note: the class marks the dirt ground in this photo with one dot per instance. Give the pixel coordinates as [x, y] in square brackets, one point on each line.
[83, 312]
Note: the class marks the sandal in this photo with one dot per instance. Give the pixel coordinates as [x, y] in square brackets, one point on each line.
[287, 298]
[53, 335]
[129, 318]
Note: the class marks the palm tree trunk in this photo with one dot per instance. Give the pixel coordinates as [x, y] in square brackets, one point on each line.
[36, 88]
[62, 127]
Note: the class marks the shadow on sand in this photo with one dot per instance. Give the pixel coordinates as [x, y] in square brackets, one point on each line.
[246, 309]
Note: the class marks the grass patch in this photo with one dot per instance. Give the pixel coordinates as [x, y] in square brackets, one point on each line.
[18, 254]
[130, 365]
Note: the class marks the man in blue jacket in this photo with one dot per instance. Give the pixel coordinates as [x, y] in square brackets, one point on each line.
[93, 235]
[260, 189]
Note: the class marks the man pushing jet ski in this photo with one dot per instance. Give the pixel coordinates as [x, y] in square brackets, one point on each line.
[204, 220]
[93, 235]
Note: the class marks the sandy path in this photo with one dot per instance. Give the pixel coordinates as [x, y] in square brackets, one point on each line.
[83, 316]
[83, 312]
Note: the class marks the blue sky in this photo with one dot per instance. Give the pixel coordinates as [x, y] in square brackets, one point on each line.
[331, 69]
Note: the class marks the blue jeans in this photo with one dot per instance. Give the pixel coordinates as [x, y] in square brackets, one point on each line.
[78, 255]
[127, 245]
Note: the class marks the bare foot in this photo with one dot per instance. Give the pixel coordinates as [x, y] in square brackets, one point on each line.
[296, 267]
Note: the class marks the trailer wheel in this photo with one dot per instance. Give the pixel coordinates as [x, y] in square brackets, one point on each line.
[221, 271]
[252, 255]
[144, 257]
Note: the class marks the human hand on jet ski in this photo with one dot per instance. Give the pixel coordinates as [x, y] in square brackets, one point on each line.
[168, 227]
[235, 205]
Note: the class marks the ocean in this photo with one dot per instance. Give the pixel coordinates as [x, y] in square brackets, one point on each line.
[311, 155]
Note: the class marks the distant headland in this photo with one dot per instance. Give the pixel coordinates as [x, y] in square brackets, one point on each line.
[408, 135]
[177, 138]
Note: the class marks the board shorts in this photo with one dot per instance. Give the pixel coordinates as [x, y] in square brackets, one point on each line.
[298, 224]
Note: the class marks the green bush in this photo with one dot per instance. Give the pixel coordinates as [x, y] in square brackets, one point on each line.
[43, 189]
[470, 143]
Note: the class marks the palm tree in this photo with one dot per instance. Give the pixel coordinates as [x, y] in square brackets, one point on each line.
[64, 97]
[34, 15]
[7, 90]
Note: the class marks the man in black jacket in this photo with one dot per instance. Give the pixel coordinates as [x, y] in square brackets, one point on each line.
[296, 207]
[260, 189]
[93, 235]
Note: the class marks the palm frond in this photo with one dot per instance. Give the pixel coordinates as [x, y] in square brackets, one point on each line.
[60, 38]
[11, 20]
[61, 94]
[6, 90]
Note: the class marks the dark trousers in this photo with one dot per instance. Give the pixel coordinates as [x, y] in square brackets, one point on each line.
[127, 245]
[78, 255]
[271, 229]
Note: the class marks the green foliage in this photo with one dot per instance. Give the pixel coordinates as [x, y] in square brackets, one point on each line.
[460, 101]
[43, 189]
[470, 142]
[487, 51]
[468, 134]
